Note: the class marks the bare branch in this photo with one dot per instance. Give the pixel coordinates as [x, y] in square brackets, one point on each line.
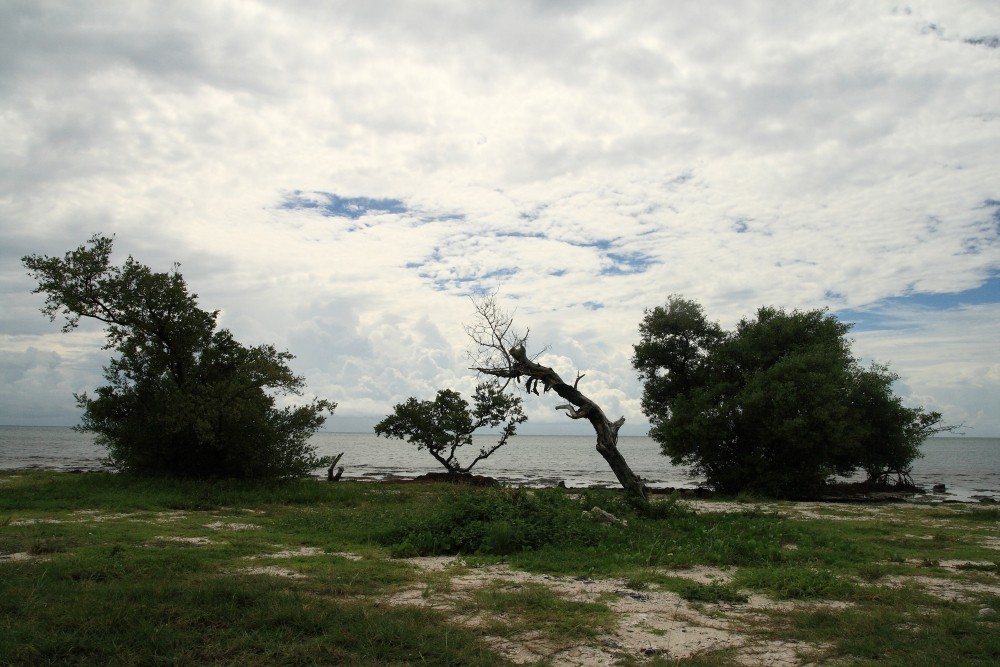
[616, 426]
[572, 412]
[500, 352]
[493, 335]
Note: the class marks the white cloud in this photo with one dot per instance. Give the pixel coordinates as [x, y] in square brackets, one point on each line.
[946, 358]
[589, 158]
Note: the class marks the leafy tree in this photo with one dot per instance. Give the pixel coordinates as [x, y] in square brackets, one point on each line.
[443, 425]
[889, 433]
[777, 406]
[675, 340]
[183, 398]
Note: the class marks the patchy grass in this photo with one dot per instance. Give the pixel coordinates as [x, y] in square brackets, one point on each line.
[693, 591]
[513, 609]
[105, 569]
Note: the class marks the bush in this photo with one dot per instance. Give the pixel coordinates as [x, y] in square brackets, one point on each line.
[495, 522]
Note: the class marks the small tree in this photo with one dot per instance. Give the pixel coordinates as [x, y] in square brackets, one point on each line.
[447, 423]
[777, 406]
[183, 398]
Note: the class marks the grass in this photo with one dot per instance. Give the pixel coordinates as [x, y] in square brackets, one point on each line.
[514, 609]
[112, 570]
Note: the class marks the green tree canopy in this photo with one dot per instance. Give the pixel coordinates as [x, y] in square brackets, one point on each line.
[448, 422]
[183, 398]
[776, 406]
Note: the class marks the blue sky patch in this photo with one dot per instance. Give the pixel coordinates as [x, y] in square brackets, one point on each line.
[995, 205]
[992, 42]
[989, 230]
[627, 263]
[600, 244]
[447, 217]
[499, 273]
[471, 284]
[335, 206]
[879, 316]
[520, 235]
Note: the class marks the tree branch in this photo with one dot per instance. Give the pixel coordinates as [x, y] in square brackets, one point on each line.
[514, 363]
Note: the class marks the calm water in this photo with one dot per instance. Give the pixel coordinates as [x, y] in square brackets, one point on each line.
[967, 466]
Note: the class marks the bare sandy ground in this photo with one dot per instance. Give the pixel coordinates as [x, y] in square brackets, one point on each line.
[648, 622]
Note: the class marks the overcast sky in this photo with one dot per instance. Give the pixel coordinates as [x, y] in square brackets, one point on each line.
[338, 177]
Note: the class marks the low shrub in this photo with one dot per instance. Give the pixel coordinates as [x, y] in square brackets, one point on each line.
[498, 522]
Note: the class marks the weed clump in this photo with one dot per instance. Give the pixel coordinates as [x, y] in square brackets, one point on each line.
[502, 521]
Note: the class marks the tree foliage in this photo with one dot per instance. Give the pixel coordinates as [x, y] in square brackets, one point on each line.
[448, 422]
[183, 398]
[776, 406]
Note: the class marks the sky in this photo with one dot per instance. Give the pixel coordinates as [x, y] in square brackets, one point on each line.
[338, 177]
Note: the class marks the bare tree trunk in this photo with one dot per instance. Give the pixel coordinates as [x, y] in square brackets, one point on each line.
[499, 351]
[578, 406]
[330, 475]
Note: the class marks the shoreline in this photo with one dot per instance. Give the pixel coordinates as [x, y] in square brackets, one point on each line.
[970, 468]
[844, 493]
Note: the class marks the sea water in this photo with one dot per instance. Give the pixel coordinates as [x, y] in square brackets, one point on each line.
[968, 467]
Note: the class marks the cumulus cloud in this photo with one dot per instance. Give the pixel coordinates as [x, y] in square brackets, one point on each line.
[339, 177]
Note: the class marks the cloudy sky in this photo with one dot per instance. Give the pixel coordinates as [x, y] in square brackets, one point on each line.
[338, 177]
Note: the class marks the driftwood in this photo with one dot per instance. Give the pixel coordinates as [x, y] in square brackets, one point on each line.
[330, 475]
[607, 518]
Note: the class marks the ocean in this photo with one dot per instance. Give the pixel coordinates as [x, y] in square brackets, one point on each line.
[968, 467]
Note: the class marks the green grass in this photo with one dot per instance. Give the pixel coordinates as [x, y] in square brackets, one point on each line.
[120, 571]
[111, 584]
[515, 609]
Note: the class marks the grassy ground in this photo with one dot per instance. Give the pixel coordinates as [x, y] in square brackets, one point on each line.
[103, 569]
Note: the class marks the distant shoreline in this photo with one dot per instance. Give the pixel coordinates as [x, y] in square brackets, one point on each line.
[968, 466]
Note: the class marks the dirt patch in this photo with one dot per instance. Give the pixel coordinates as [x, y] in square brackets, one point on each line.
[960, 564]
[702, 574]
[81, 516]
[273, 570]
[97, 516]
[944, 589]
[270, 571]
[19, 557]
[195, 541]
[219, 525]
[649, 622]
[435, 563]
[290, 553]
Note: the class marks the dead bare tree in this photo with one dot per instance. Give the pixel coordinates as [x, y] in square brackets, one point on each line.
[499, 350]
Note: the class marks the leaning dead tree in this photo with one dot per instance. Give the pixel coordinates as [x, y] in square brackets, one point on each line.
[335, 476]
[501, 351]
